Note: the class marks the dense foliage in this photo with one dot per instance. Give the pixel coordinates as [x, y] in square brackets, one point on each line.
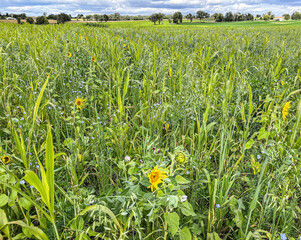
[133, 133]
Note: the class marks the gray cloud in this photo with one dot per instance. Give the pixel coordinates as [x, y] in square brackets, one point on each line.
[145, 7]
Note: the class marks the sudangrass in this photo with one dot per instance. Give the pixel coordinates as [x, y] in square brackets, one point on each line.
[214, 92]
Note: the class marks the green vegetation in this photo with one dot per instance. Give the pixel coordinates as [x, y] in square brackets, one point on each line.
[133, 130]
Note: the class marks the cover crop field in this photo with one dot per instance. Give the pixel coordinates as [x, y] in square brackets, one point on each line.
[146, 132]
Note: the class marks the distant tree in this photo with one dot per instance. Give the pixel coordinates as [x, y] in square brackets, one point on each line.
[238, 16]
[219, 17]
[269, 13]
[63, 17]
[272, 16]
[153, 18]
[190, 17]
[215, 15]
[19, 20]
[89, 17]
[22, 15]
[52, 16]
[29, 20]
[229, 17]
[42, 20]
[258, 16]
[296, 16]
[105, 17]
[201, 14]
[286, 16]
[266, 17]
[249, 17]
[44, 14]
[160, 17]
[177, 17]
[117, 16]
[79, 16]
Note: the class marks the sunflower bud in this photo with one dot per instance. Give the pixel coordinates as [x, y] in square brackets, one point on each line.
[181, 157]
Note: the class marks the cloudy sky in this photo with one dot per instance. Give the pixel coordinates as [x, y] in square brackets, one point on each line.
[146, 7]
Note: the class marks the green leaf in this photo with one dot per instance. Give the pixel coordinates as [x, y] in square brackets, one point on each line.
[77, 224]
[25, 203]
[187, 209]
[172, 220]
[33, 231]
[50, 169]
[34, 180]
[262, 134]
[3, 200]
[3, 222]
[185, 234]
[181, 180]
[249, 144]
[172, 201]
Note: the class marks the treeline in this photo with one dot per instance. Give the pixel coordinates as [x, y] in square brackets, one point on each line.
[177, 17]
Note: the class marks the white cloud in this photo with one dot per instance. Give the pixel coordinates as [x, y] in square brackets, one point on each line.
[145, 7]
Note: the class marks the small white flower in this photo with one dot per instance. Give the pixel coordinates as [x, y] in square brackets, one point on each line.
[127, 158]
[183, 198]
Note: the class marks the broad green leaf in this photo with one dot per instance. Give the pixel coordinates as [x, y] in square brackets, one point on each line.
[172, 201]
[172, 220]
[181, 180]
[185, 234]
[3, 222]
[77, 224]
[249, 144]
[33, 231]
[187, 209]
[263, 134]
[25, 203]
[3, 200]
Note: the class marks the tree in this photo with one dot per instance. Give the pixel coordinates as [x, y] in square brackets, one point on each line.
[190, 17]
[296, 16]
[160, 17]
[19, 20]
[117, 16]
[249, 17]
[286, 16]
[63, 17]
[219, 17]
[201, 14]
[153, 18]
[105, 17]
[42, 20]
[30, 20]
[238, 16]
[258, 16]
[229, 17]
[266, 17]
[52, 16]
[177, 17]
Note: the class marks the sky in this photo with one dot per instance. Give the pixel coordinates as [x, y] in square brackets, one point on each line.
[146, 7]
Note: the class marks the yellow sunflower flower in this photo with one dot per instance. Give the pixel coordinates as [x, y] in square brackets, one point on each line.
[170, 72]
[282, 83]
[80, 37]
[69, 54]
[155, 178]
[285, 109]
[80, 103]
[93, 59]
[6, 159]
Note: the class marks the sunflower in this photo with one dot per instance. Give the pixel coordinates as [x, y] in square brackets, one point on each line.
[155, 178]
[69, 54]
[282, 83]
[6, 159]
[170, 72]
[80, 37]
[80, 103]
[180, 157]
[285, 109]
[93, 59]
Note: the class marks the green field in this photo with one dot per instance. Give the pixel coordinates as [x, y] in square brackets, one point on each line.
[130, 130]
